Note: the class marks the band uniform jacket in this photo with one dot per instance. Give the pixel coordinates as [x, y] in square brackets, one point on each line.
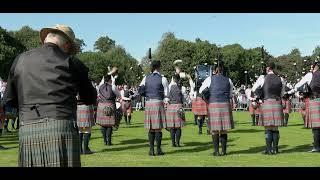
[48, 79]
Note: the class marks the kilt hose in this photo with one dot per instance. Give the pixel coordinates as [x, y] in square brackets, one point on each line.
[172, 116]
[220, 116]
[126, 107]
[85, 116]
[313, 113]
[49, 143]
[154, 115]
[102, 119]
[199, 107]
[271, 113]
[252, 110]
[288, 108]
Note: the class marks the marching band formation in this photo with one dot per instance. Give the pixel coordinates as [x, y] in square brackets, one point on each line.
[56, 120]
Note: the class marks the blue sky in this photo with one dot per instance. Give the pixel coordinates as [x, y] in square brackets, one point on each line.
[136, 32]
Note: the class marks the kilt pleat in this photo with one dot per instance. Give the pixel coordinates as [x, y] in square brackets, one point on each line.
[220, 116]
[199, 107]
[288, 108]
[172, 116]
[271, 113]
[51, 143]
[154, 115]
[85, 116]
[313, 113]
[126, 107]
[102, 119]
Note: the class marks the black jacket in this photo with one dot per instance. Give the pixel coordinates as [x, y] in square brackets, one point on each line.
[49, 79]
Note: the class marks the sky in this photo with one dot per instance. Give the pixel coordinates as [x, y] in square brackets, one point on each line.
[136, 32]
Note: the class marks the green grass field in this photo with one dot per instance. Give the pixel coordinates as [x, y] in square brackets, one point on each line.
[245, 146]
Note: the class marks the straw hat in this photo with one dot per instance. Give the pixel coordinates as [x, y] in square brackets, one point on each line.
[65, 30]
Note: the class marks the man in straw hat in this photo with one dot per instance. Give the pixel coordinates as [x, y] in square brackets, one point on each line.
[271, 116]
[155, 88]
[43, 83]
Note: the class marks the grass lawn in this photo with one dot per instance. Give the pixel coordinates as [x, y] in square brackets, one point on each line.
[245, 146]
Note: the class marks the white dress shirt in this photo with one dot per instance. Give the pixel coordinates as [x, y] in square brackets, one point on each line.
[207, 82]
[123, 97]
[164, 83]
[260, 81]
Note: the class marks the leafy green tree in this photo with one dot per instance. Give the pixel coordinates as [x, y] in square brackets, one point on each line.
[104, 44]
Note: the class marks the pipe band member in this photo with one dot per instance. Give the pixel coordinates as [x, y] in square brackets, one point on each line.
[254, 106]
[199, 105]
[312, 103]
[107, 107]
[175, 114]
[126, 96]
[271, 116]
[219, 109]
[155, 88]
[286, 102]
[85, 121]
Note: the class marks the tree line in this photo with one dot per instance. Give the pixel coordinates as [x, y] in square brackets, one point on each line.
[243, 65]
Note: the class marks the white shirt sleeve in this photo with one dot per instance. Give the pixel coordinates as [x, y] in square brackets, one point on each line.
[231, 88]
[171, 83]
[122, 95]
[306, 79]
[283, 89]
[165, 86]
[258, 83]
[115, 90]
[206, 83]
[143, 82]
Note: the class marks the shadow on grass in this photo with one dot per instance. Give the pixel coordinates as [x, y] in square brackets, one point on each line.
[109, 149]
[11, 142]
[246, 130]
[254, 150]
[300, 148]
[295, 124]
[7, 148]
[134, 141]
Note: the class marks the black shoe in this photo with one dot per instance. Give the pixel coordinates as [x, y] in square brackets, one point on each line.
[109, 144]
[314, 150]
[200, 131]
[174, 145]
[160, 153]
[88, 151]
[223, 154]
[178, 145]
[2, 148]
[216, 154]
[268, 153]
[151, 152]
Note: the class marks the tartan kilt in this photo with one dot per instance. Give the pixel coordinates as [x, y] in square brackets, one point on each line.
[252, 110]
[126, 107]
[271, 113]
[102, 119]
[85, 116]
[51, 143]
[154, 115]
[172, 116]
[220, 116]
[313, 113]
[288, 108]
[199, 107]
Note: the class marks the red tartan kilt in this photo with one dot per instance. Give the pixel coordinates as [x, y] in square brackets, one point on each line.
[102, 119]
[85, 116]
[173, 119]
[220, 116]
[288, 106]
[154, 115]
[254, 111]
[271, 113]
[199, 107]
[313, 113]
[126, 107]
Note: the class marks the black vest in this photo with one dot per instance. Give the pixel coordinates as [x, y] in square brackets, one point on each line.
[154, 87]
[175, 95]
[315, 83]
[272, 87]
[126, 93]
[219, 89]
[106, 93]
